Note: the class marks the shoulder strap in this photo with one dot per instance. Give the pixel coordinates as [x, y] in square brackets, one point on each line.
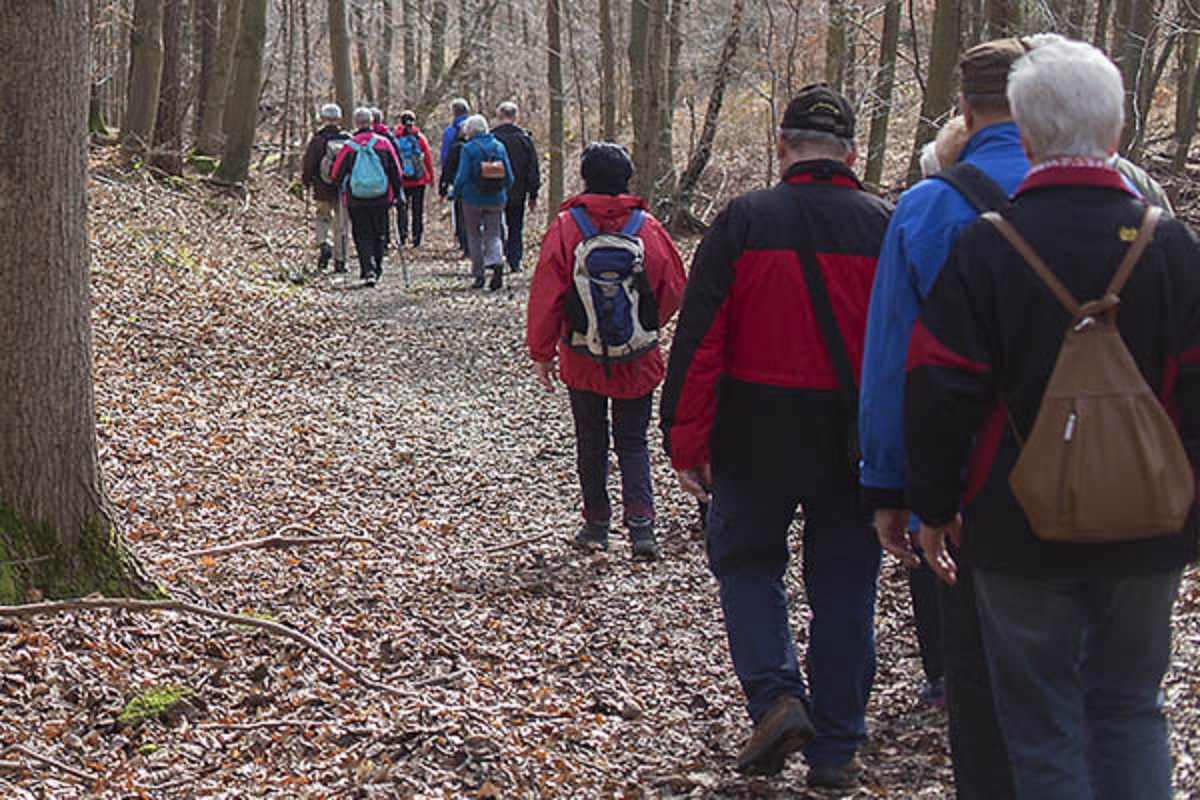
[983, 193]
[1035, 262]
[822, 307]
[1134, 253]
[634, 223]
[586, 226]
[371, 142]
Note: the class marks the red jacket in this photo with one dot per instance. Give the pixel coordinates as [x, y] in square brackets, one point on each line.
[344, 165]
[427, 176]
[546, 324]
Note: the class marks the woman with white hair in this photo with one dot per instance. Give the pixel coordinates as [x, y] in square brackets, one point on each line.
[1077, 636]
[482, 182]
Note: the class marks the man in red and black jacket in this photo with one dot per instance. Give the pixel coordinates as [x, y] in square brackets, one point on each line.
[754, 412]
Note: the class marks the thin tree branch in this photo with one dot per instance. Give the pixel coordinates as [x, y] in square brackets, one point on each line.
[510, 545]
[49, 762]
[277, 541]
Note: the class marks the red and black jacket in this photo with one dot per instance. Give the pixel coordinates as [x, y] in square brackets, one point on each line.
[750, 386]
[987, 340]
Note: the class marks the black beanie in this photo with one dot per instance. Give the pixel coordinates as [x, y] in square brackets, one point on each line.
[606, 168]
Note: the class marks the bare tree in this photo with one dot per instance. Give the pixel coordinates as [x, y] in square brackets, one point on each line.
[242, 108]
[168, 127]
[939, 84]
[145, 72]
[608, 76]
[1003, 18]
[364, 59]
[210, 137]
[885, 81]
[385, 55]
[339, 47]
[554, 77]
[206, 16]
[835, 44]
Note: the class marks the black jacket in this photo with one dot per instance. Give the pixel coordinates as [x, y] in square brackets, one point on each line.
[387, 157]
[310, 170]
[522, 155]
[450, 165]
[987, 340]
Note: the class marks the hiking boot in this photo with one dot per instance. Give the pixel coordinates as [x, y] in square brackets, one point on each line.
[514, 268]
[370, 279]
[641, 535]
[477, 283]
[783, 730]
[835, 776]
[339, 267]
[324, 256]
[592, 536]
[497, 280]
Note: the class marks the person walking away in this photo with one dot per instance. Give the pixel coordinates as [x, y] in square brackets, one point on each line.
[758, 411]
[527, 180]
[370, 174]
[1077, 636]
[481, 183]
[316, 173]
[379, 126]
[653, 283]
[416, 169]
[452, 141]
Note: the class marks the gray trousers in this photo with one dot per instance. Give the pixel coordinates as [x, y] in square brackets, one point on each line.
[330, 217]
[483, 224]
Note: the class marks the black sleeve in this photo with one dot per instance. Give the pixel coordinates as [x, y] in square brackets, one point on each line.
[533, 177]
[311, 166]
[347, 164]
[1183, 400]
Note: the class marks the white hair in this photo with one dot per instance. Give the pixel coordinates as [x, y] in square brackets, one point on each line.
[929, 160]
[507, 110]
[331, 111]
[459, 105]
[474, 125]
[362, 117]
[1068, 100]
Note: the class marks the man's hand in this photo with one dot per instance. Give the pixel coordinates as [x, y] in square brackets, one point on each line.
[544, 372]
[696, 481]
[933, 542]
[891, 526]
[532, 203]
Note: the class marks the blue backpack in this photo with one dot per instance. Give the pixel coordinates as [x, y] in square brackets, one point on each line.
[612, 315]
[412, 162]
[368, 180]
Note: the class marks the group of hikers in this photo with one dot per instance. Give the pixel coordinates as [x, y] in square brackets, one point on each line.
[948, 380]
[355, 178]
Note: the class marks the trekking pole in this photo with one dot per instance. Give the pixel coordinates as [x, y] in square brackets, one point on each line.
[403, 266]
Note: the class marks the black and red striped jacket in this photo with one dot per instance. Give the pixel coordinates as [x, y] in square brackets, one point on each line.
[750, 386]
[987, 340]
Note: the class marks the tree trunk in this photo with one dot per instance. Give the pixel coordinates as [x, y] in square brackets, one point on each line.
[608, 77]
[168, 135]
[211, 136]
[437, 42]
[145, 73]
[884, 83]
[1133, 45]
[364, 60]
[206, 17]
[409, 27]
[835, 45]
[1100, 37]
[57, 536]
[1185, 97]
[243, 103]
[555, 80]
[647, 51]
[385, 57]
[339, 47]
[939, 84]
[1003, 18]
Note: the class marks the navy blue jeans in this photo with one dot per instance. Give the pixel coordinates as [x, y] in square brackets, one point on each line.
[514, 236]
[630, 419]
[747, 540]
[1077, 668]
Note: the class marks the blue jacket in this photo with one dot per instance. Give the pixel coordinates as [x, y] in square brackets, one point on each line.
[927, 220]
[448, 136]
[479, 148]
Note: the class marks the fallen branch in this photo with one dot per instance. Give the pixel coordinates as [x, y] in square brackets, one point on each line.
[266, 723]
[49, 762]
[510, 545]
[35, 609]
[437, 680]
[277, 541]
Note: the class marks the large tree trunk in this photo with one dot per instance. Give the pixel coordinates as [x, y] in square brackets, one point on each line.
[57, 536]
[437, 42]
[385, 57]
[409, 26]
[608, 76]
[243, 102]
[168, 133]
[555, 80]
[361, 36]
[339, 47]
[1135, 57]
[211, 137]
[939, 84]
[648, 49]
[145, 72]
[205, 19]
[835, 45]
[1185, 98]
[885, 81]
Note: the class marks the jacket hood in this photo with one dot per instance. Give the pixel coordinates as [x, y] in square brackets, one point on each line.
[606, 208]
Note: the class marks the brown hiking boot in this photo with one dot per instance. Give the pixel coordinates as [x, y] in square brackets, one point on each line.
[836, 776]
[783, 730]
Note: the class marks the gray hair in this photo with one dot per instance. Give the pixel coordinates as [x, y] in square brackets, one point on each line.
[459, 105]
[1068, 100]
[362, 117]
[816, 144]
[507, 110]
[376, 115]
[331, 111]
[474, 125]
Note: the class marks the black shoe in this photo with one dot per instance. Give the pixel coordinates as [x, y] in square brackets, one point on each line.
[497, 280]
[641, 535]
[514, 268]
[836, 776]
[592, 536]
[369, 279]
[339, 267]
[477, 283]
[323, 258]
[784, 729]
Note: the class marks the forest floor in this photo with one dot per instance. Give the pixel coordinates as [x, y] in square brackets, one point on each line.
[233, 404]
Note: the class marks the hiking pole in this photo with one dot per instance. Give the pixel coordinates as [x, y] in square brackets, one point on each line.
[403, 266]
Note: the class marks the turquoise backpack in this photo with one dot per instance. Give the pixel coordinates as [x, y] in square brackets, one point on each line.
[367, 178]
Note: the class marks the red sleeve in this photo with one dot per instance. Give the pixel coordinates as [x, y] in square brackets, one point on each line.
[544, 319]
[427, 178]
[669, 278]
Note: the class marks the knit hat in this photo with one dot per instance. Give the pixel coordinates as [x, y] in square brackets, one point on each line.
[985, 66]
[408, 117]
[606, 168]
[819, 108]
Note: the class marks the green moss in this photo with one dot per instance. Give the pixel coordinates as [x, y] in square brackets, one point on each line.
[148, 749]
[205, 165]
[152, 702]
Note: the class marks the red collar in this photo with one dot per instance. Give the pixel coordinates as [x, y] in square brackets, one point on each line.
[1073, 172]
[832, 173]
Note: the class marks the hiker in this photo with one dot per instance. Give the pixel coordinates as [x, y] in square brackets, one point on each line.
[1077, 636]
[557, 326]
[378, 126]
[416, 168]
[316, 174]
[758, 415]
[481, 183]
[527, 180]
[928, 218]
[452, 142]
[368, 168]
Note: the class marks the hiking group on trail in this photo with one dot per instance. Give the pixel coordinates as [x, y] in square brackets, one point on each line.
[997, 382]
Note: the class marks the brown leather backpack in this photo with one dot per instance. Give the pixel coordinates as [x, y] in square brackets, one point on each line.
[1104, 462]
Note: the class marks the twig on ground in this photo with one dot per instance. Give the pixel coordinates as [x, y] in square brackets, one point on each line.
[49, 762]
[510, 545]
[277, 541]
[437, 680]
[266, 723]
[35, 609]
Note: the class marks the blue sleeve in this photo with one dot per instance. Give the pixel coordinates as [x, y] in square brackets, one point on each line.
[464, 171]
[448, 135]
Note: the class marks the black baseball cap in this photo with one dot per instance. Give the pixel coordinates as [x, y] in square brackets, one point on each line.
[819, 108]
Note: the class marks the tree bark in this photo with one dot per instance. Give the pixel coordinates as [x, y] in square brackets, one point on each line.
[1186, 96]
[1100, 37]
[145, 73]
[211, 137]
[385, 57]
[648, 49]
[168, 134]
[939, 84]
[409, 28]
[437, 42]
[243, 103]
[57, 536]
[206, 18]
[885, 82]
[361, 36]
[835, 44]
[1003, 18]
[554, 78]
[608, 77]
[339, 47]
[1135, 31]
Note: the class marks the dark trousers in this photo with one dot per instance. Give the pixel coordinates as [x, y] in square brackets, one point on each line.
[416, 206]
[370, 226]
[981, 765]
[927, 614]
[630, 419]
[747, 542]
[460, 228]
[514, 237]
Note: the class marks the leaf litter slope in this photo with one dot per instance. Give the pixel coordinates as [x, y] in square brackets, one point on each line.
[232, 404]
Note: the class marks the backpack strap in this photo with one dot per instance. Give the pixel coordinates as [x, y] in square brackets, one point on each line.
[1035, 262]
[1134, 253]
[634, 223]
[983, 193]
[586, 226]
[822, 306]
